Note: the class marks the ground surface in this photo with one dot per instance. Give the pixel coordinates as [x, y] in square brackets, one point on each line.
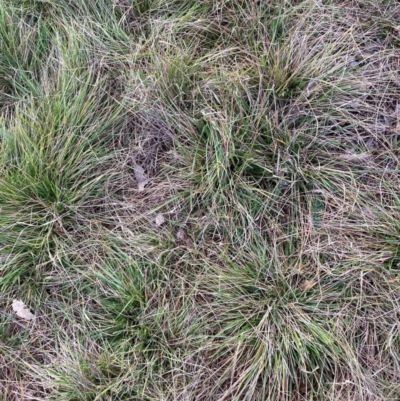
[200, 200]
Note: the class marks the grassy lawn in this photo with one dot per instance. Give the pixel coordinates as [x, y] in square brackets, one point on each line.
[200, 200]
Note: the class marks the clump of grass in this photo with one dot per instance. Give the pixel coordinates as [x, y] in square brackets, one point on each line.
[268, 133]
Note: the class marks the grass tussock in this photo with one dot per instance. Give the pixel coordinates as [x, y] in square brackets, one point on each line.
[260, 260]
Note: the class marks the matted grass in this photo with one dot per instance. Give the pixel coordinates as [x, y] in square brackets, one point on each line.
[268, 132]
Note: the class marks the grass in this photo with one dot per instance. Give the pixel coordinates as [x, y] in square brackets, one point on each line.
[269, 135]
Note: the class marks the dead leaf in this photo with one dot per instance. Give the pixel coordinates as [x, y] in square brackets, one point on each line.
[141, 177]
[307, 285]
[354, 156]
[160, 219]
[181, 234]
[22, 310]
[355, 105]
